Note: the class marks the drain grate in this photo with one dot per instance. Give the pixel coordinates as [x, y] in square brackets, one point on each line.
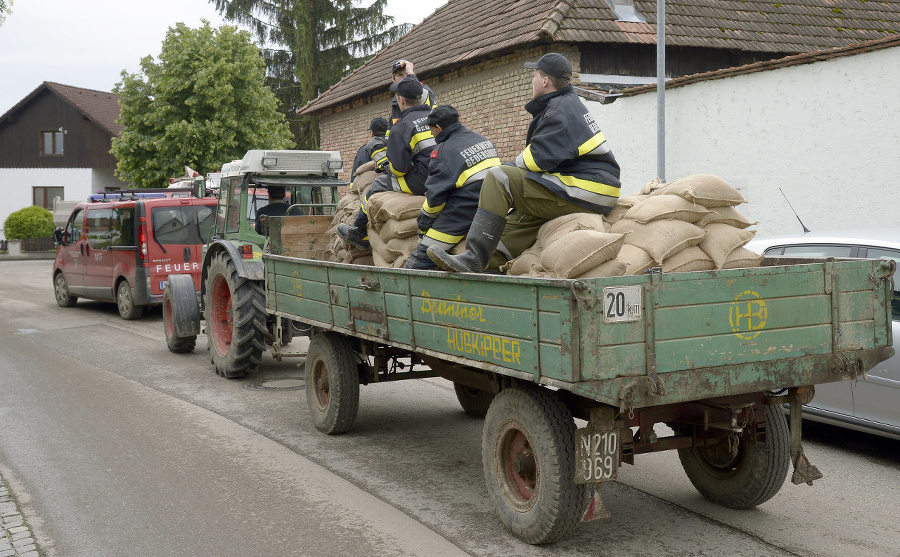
[278, 384]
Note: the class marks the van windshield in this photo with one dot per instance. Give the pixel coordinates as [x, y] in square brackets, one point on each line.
[183, 224]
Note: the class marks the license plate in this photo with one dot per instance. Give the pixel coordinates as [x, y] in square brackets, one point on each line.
[596, 455]
[162, 284]
[622, 304]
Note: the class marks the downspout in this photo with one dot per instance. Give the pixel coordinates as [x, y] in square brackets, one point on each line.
[661, 90]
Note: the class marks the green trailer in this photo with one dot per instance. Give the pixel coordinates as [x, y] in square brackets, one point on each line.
[715, 356]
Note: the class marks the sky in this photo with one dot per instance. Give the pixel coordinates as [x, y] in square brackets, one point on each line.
[87, 43]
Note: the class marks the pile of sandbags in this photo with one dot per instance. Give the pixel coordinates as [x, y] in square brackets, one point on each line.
[347, 209]
[393, 227]
[690, 224]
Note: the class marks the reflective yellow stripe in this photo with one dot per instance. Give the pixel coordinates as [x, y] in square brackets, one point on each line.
[430, 210]
[529, 160]
[395, 172]
[403, 186]
[362, 206]
[421, 136]
[376, 151]
[441, 237]
[591, 144]
[587, 185]
[476, 169]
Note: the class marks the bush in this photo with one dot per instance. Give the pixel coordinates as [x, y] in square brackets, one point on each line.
[27, 223]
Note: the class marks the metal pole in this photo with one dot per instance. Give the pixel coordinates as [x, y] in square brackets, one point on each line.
[661, 89]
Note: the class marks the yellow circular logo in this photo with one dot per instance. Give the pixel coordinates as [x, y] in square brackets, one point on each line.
[748, 315]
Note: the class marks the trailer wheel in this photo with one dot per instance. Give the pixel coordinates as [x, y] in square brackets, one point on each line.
[474, 402]
[528, 454]
[747, 477]
[235, 319]
[125, 302]
[332, 383]
[61, 290]
[180, 308]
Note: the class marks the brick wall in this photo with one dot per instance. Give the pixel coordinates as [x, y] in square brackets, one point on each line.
[490, 97]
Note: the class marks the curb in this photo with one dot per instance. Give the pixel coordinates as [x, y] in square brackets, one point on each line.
[16, 539]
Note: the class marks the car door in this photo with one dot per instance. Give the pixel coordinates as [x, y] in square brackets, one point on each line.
[836, 398]
[98, 260]
[877, 399]
[72, 253]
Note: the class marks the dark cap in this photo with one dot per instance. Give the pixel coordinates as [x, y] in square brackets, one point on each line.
[408, 87]
[397, 66]
[552, 64]
[379, 126]
[442, 115]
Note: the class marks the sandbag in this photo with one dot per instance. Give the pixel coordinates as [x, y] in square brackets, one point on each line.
[651, 186]
[578, 251]
[725, 215]
[380, 252]
[661, 207]
[393, 206]
[611, 268]
[689, 259]
[348, 200]
[659, 238]
[402, 246]
[367, 167]
[400, 228]
[636, 260]
[741, 258]
[722, 239]
[705, 189]
[552, 230]
[622, 206]
[525, 264]
[363, 180]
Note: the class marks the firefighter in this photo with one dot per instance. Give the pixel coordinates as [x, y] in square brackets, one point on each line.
[459, 163]
[408, 154]
[375, 149]
[566, 167]
[399, 71]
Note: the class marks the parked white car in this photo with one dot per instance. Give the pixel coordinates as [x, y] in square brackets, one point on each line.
[872, 405]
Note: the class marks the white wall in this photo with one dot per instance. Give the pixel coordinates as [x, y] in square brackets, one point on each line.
[827, 133]
[16, 186]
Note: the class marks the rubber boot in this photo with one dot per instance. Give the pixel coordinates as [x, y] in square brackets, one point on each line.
[482, 240]
[352, 234]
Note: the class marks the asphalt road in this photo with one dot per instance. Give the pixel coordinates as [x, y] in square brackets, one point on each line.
[114, 446]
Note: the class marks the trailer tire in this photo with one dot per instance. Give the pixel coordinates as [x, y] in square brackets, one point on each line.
[128, 310]
[528, 455]
[332, 383]
[747, 479]
[235, 318]
[179, 308]
[474, 402]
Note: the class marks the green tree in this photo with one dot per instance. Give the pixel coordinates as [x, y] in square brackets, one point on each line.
[202, 104]
[30, 222]
[5, 6]
[312, 45]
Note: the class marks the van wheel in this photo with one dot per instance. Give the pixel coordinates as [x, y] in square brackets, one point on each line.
[180, 309]
[61, 289]
[235, 319]
[125, 302]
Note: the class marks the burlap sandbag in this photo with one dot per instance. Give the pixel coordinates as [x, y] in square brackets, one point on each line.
[659, 238]
[651, 186]
[363, 179]
[554, 229]
[622, 207]
[525, 264]
[364, 259]
[382, 255]
[705, 189]
[611, 268]
[635, 259]
[725, 215]
[722, 239]
[578, 251]
[402, 246]
[350, 200]
[741, 258]
[661, 207]
[691, 258]
[399, 228]
[393, 206]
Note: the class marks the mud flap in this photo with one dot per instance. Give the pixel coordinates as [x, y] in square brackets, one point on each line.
[804, 472]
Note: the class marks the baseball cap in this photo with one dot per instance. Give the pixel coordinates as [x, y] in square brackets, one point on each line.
[397, 66]
[408, 87]
[442, 115]
[552, 64]
[379, 126]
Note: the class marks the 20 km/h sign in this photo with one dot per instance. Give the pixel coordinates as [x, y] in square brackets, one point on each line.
[622, 304]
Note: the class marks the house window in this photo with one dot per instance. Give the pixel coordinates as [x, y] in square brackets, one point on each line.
[52, 142]
[43, 196]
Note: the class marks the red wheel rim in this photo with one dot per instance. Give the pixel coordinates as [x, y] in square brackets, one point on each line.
[167, 319]
[522, 467]
[321, 386]
[221, 321]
